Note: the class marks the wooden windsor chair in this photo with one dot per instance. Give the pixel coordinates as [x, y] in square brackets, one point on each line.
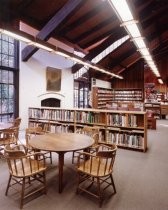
[96, 169]
[25, 168]
[8, 136]
[90, 131]
[33, 131]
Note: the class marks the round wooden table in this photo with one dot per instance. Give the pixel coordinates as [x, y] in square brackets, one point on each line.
[61, 143]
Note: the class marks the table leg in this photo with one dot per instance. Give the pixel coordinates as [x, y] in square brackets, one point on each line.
[61, 164]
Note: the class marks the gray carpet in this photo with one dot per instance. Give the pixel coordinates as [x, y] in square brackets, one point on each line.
[141, 181]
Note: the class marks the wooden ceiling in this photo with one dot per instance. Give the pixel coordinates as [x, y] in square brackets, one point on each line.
[90, 26]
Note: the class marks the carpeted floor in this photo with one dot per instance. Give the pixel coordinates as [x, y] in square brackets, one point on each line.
[141, 181]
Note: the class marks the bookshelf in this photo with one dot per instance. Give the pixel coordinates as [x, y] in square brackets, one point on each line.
[154, 108]
[128, 129]
[128, 94]
[103, 96]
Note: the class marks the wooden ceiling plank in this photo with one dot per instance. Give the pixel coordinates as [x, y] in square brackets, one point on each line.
[147, 23]
[82, 19]
[94, 29]
[52, 24]
[93, 53]
[121, 58]
[103, 36]
[157, 34]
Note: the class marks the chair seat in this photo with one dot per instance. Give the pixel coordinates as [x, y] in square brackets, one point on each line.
[30, 167]
[97, 169]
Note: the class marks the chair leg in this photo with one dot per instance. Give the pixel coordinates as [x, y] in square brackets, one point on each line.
[99, 192]
[112, 181]
[73, 157]
[8, 185]
[78, 183]
[22, 193]
[45, 183]
[51, 157]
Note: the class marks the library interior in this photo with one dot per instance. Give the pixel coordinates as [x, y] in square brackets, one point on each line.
[83, 104]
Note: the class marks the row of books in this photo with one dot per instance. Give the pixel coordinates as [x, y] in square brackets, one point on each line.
[86, 117]
[122, 120]
[126, 139]
[89, 117]
[52, 114]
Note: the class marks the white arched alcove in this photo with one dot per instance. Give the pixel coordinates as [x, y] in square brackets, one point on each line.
[55, 95]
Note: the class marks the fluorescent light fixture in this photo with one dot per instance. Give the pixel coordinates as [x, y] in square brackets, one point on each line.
[148, 57]
[144, 51]
[15, 36]
[31, 40]
[139, 42]
[133, 30]
[130, 22]
[124, 13]
[149, 62]
[122, 9]
[160, 81]
[62, 54]
[41, 46]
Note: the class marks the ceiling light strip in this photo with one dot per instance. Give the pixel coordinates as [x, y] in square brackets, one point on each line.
[130, 24]
[33, 41]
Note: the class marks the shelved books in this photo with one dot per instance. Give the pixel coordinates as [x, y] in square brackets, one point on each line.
[127, 129]
[101, 97]
[122, 120]
[126, 138]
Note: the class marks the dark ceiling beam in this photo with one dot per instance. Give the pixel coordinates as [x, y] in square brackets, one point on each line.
[52, 24]
[103, 36]
[124, 68]
[114, 62]
[94, 29]
[145, 12]
[96, 51]
[5, 14]
[147, 23]
[157, 34]
[82, 19]
[24, 5]
[142, 3]
[152, 10]
[160, 49]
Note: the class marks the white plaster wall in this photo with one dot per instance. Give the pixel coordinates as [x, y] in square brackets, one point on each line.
[101, 83]
[33, 82]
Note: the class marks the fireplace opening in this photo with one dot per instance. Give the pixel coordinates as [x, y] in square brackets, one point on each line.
[50, 102]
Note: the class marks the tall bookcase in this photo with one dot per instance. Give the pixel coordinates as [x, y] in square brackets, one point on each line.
[128, 129]
[155, 108]
[102, 96]
[128, 94]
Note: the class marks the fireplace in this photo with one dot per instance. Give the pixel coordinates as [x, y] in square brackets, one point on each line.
[51, 102]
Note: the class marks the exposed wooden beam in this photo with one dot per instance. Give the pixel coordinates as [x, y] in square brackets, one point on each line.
[52, 24]
[94, 29]
[93, 53]
[121, 58]
[152, 10]
[83, 19]
[160, 49]
[147, 23]
[102, 36]
[23, 5]
[157, 34]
